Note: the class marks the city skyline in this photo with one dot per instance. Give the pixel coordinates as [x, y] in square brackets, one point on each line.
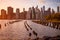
[28, 3]
[32, 13]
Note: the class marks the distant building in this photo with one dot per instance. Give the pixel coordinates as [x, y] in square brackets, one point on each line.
[17, 13]
[29, 14]
[53, 12]
[37, 13]
[49, 10]
[45, 13]
[58, 9]
[14, 16]
[3, 14]
[42, 15]
[25, 13]
[21, 15]
[33, 13]
[42, 18]
[10, 12]
[23, 9]
[43, 9]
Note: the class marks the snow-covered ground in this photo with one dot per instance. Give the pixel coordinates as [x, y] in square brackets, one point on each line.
[17, 30]
[13, 31]
[43, 30]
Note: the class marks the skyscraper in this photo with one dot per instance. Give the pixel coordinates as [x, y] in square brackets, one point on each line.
[37, 13]
[53, 11]
[24, 13]
[33, 13]
[58, 9]
[3, 14]
[17, 13]
[41, 15]
[10, 12]
[29, 14]
[43, 9]
[23, 9]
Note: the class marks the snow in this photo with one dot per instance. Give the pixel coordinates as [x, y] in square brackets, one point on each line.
[13, 31]
[43, 30]
[17, 30]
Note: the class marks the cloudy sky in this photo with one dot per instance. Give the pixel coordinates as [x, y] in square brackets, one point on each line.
[28, 3]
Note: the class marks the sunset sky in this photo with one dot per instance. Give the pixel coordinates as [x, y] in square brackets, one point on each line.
[28, 3]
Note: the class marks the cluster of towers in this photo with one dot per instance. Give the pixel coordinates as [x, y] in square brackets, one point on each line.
[40, 14]
[6, 14]
[9, 14]
[32, 13]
